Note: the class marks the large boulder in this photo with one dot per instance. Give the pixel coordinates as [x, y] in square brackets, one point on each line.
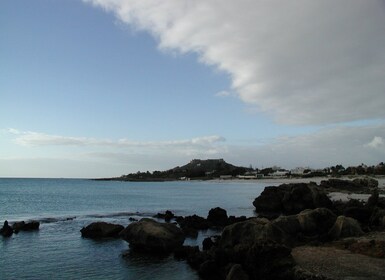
[345, 227]
[150, 236]
[6, 230]
[236, 272]
[251, 230]
[366, 182]
[291, 198]
[101, 230]
[218, 217]
[316, 222]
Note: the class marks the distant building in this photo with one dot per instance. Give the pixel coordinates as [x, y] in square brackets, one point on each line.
[225, 177]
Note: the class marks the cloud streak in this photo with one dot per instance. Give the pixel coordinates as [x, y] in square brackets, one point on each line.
[205, 144]
[302, 62]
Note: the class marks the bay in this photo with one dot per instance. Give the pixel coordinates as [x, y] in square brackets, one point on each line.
[64, 206]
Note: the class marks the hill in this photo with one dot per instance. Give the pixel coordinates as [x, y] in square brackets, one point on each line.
[196, 169]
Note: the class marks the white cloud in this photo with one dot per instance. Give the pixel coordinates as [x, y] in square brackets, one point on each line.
[377, 143]
[223, 93]
[346, 145]
[303, 62]
[198, 145]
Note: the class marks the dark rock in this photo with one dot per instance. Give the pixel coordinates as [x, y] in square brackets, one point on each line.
[207, 244]
[218, 217]
[345, 227]
[194, 221]
[209, 270]
[131, 219]
[360, 185]
[366, 182]
[377, 219]
[251, 230]
[232, 219]
[237, 273]
[167, 216]
[270, 200]
[101, 230]
[148, 235]
[6, 230]
[291, 199]
[23, 226]
[316, 222]
[361, 214]
[186, 252]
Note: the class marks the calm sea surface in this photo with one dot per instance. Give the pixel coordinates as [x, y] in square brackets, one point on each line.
[64, 206]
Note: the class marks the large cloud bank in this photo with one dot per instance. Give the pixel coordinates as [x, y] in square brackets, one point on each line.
[302, 62]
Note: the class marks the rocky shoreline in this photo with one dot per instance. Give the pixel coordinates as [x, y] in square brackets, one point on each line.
[295, 224]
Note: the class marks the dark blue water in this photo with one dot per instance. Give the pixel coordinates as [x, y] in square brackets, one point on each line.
[64, 206]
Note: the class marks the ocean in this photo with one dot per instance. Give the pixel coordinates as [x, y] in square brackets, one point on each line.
[64, 206]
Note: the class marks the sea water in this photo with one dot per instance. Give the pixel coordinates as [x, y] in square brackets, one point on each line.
[64, 206]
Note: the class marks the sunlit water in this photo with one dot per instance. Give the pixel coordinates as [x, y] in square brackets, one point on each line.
[64, 206]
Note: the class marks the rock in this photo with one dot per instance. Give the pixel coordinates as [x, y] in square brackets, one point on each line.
[289, 224]
[101, 230]
[270, 200]
[316, 222]
[6, 230]
[167, 216]
[218, 217]
[185, 252]
[207, 244]
[359, 185]
[261, 259]
[291, 198]
[150, 236]
[23, 226]
[209, 270]
[194, 221]
[232, 219]
[366, 182]
[371, 248]
[237, 273]
[361, 214]
[345, 227]
[249, 231]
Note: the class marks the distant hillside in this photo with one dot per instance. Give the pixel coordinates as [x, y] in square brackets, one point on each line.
[195, 169]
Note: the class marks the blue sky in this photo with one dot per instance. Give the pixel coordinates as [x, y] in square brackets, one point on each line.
[101, 88]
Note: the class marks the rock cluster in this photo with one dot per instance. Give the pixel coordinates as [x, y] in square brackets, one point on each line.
[8, 230]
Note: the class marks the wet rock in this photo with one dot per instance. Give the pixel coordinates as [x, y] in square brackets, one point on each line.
[207, 244]
[366, 182]
[101, 230]
[6, 230]
[218, 217]
[148, 235]
[167, 216]
[345, 227]
[23, 226]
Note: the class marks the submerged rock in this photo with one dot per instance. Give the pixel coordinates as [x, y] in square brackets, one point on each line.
[150, 236]
[101, 230]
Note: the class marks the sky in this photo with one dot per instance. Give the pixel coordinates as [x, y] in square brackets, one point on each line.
[101, 88]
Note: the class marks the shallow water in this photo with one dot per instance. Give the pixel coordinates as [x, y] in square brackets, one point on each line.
[64, 206]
